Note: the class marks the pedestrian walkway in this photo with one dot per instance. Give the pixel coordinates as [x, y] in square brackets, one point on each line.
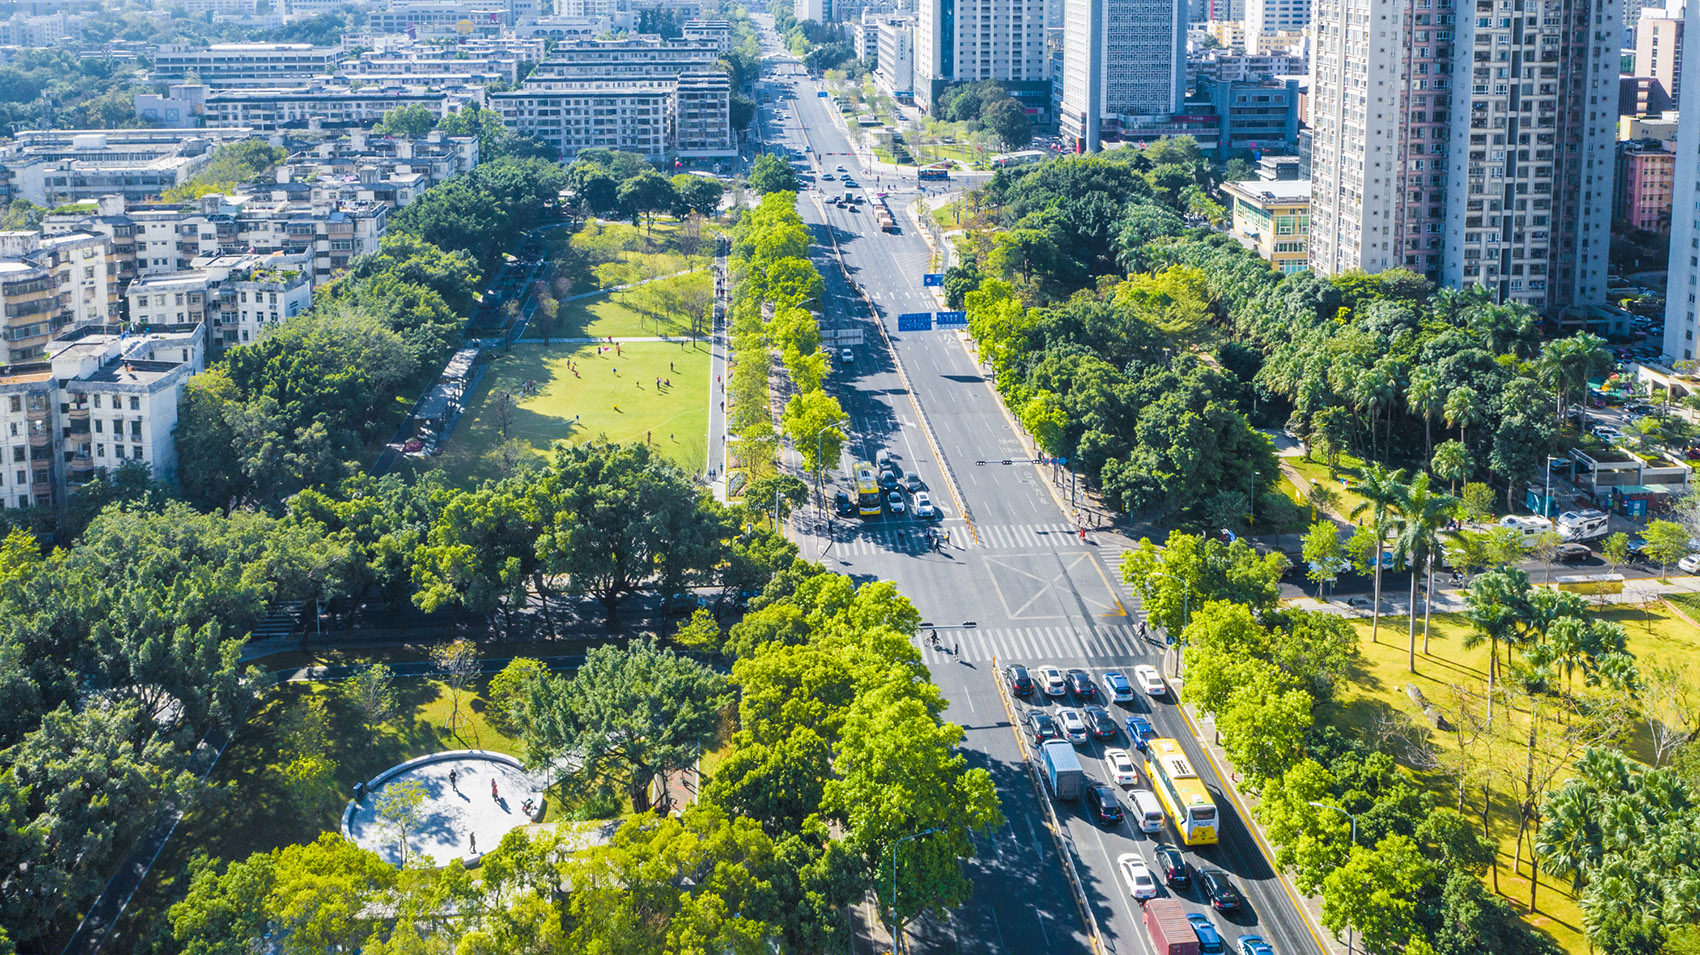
[861, 540]
[1040, 646]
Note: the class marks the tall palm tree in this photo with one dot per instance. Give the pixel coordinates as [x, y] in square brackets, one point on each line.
[1570, 839]
[1418, 513]
[1426, 402]
[1463, 411]
[1373, 393]
[1566, 363]
[1379, 489]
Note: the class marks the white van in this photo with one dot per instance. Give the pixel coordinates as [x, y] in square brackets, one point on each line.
[1147, 811]
[1583, 525]
[1529, 526]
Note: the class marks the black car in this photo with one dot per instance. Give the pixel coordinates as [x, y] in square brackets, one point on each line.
[1040, 727]
[1099, 721]
[1221, 893]
[889, 476]
[1019, 682]
[1080, 683]
[1105, 808]
[843, 504]
[1172, 864]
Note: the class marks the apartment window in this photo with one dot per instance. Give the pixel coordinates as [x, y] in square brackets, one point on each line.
[99, 427]
[17, 403]
[135, 429]
[135, 403]
[136, 452]
[97, 401]
[100, 450]
[118, 450]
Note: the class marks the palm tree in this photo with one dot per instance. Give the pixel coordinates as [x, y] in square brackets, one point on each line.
[1451, 463]
[1570, 839]
[1463, 410]
[1566, 363]
[1373, 394]
[1379, 489]
[1426, 402]
[1418, 514]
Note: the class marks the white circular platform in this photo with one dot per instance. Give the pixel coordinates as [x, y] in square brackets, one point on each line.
[458, 821]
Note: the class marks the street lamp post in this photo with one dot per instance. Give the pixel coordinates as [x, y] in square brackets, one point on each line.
[1546, 499]
[1186, 616]
[896, 938]
[1354, 819]
[820, 438]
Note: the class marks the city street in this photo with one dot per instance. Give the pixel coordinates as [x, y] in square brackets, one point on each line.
[1015, 583]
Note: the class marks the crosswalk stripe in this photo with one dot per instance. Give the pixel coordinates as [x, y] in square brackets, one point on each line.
[1038, 646]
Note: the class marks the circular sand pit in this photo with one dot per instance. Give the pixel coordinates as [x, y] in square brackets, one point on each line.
[458, 819]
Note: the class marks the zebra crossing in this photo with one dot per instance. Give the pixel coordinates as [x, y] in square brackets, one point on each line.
[1033, 646]
[862, 540]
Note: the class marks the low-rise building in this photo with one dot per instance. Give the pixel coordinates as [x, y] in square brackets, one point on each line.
[230, 63]
[1274, 215]
[329, 106]
[1254, 114]
[1645, 184]
[238, 297]
[712, 32]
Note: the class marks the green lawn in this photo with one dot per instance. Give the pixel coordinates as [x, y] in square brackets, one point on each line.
[612, 396]
[635, 313]
[604, 254]
[1378, 690]
[1342, 479]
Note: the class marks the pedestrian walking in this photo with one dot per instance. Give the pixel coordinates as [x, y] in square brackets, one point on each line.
[670, 367]
[957, 649]
[452, 777]
[493, 793]
[473, 842]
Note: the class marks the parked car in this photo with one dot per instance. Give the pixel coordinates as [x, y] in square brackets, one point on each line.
[1139, 730]
[1103, 806]
[1080, 684]
[1040, 727]
[1689, 564]
[1019, 682]
[1171, 862]
[1099, 722]
[1141, 882]
[1120, 764]
[1051, 678]
[1219, 890]
[1121, 691]
[1074, 726]
[1571, 553]
[1150, 680]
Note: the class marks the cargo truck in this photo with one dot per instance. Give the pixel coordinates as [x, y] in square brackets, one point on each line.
[1171, 933]
[1062, 768]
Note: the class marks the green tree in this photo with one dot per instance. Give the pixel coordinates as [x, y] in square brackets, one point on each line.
[457, 664]
[1463, 411]
[510, 688]
[1417, 516]
[770, 174]
[811, 420]
[775, 495]
[1379, 489]
[400, 807]
[1008, 120]
[1666, 542]
[1324, 555]
[629, 715]
[1615, 549]
[698, 194]
[1192, 569]
[1376, 892]
[1451, 463]
[647, 193]
[372, 691]
[408, 122]
[1477, 501]
[1263, 726]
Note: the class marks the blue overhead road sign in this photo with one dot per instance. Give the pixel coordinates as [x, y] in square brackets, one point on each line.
[949, 319]
[932, 278]
[915, 322]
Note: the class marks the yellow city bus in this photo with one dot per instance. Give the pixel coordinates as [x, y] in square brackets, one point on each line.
[867, 490]
[1182, 793]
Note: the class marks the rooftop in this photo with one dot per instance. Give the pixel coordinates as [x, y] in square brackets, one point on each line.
[1274, 190]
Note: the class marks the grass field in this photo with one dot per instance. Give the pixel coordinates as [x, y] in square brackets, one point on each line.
[612, 396]
[638, 312]
[1377, 692]
[605, 254]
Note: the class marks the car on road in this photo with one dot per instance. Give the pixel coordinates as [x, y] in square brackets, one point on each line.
[1209, 940]
[1608, 433]
[1139, 730]
[1080, 684]
[1051, 678]
[827, 177]
[1019, 682]
[1254, 945]
[1120, 765]
[1219, 890]
[841, 169]
[913, 481]
[1150, 680]
[1172, 864]
[889, 476]
[1570, 553]
[1099, 722]
[846, 356]
[894, 502]
[1074, 726]
[1141, 882]
[850, 183]
[1102, 805]
[1040, 727]
[924, 505]
[1121, 691]
[843, 503]
[1689, 564]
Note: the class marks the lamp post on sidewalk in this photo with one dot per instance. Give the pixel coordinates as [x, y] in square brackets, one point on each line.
[896, 930]
[1354, 819]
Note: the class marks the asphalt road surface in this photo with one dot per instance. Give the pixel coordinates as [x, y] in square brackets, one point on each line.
[1015, 584]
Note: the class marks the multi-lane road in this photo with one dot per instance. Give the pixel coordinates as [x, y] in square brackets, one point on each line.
[1016, 584]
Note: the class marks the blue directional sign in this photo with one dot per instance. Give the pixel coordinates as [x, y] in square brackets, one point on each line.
[915, 322]
[932, 278]
[949, 319]
[823, 94]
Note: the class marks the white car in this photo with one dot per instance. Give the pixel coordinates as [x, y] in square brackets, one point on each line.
[924, 505]
[1051, 678]
[1120, 764]
[1689, 564]
[1121, 691]
[846, 356]
[1150, 680]
[1141, 881]
[1073, 726]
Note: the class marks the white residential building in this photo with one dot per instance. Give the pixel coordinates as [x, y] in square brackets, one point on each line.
[1682, 280]
[307, 107]
[1468, 143]
[226, 63]
[1268, 18]
[238, 297]
[1124, 64]
[631, 114]
[896, 71]
[971, 40]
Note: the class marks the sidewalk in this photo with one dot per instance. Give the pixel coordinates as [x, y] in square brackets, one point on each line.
[1635, 590]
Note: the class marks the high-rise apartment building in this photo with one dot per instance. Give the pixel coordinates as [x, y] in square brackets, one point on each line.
[1269, 17]
[1467, 140]
[1658, 47]
[1682, 280]
[971, 40]
[1123, 61]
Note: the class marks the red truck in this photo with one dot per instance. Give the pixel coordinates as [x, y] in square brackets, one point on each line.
[1171, 933]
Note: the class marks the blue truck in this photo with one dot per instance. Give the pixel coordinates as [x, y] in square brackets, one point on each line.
[1063, 772]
